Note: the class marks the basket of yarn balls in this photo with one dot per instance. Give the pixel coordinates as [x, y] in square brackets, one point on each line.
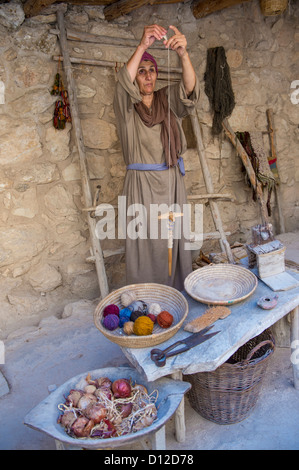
[141, 315]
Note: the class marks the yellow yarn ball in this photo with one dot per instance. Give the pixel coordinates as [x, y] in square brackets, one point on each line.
[143, 326]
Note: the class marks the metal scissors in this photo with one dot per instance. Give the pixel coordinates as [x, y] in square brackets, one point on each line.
[159, 357]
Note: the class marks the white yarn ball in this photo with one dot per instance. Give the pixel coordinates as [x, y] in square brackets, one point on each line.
[127, 298]
[154, 309]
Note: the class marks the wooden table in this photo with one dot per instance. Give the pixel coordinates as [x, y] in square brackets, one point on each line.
[246, 321]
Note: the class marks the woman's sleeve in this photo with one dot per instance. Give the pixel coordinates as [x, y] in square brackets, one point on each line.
[181, 104]
[126, 94]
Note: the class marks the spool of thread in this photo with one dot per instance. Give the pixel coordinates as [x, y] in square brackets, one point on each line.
[111, 322]
[143, 326]
[111, 309]
[165, 319]
[124, 316]
[154, 309]
[127, 298]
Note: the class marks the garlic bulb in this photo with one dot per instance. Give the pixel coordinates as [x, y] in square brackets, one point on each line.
[127, 298]
[154, 309]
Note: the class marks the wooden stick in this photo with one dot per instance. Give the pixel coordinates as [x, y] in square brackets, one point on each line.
[247, 164]
[108, 63]
[210, 188]
[228, 197]
[274, 155]
[82, 36]
[88, 201]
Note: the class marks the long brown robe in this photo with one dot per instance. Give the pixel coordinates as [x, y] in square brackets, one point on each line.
[147, 259]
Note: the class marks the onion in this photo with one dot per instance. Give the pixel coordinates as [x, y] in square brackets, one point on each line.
[96, 412]
[67, 419]
[105, 430]
[121, 388]
[85, 400]
[82, 427]
[101, 393]
[126, 409]
[103, 382]
[74, 397]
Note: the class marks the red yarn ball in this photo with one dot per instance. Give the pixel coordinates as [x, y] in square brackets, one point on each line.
[165, 319]
[111, 310]
[152, 317]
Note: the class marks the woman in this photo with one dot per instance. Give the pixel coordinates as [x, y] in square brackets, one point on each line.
[150, 145]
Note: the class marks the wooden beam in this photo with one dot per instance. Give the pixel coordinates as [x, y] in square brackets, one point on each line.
[82, 36]
[33, 7]
[122, 7]
[202, 8]
[108, 63]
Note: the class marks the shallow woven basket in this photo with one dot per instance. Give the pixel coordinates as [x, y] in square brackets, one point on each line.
[228, 394]
[168, 298]
[220, 284]
[273, 7]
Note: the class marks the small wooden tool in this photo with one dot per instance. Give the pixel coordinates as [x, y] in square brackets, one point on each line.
[208, 318]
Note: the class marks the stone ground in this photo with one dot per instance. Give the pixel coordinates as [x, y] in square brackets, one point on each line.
[59, 349]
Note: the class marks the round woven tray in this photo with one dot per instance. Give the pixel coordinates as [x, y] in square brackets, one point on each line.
[221, 284]
[168, 298]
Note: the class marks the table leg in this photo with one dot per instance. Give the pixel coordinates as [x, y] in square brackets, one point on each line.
[158, 440]
[295, 345]
[179, 416]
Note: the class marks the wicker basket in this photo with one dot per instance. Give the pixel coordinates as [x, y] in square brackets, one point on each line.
[168, 298]
[228, 394]
[273, 7]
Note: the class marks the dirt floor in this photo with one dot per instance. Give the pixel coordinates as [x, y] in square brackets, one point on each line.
[58, 349]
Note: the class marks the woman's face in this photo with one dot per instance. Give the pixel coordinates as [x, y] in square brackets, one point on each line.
[146, 77]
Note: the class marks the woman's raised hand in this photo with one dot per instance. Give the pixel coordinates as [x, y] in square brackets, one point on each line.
[177, 42]
[151, 34]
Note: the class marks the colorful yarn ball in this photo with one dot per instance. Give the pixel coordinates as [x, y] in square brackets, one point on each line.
[135, 315]
[152, 317]
[111, 322]
[111, 309]
[124, 316]
[154, 309]
[165, 319]
[129, 328]
[143, 326]
[127, 298]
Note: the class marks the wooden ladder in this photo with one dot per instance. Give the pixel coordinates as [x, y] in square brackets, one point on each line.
[87, 196]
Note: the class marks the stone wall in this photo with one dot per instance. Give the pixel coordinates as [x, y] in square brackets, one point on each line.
[44, 240]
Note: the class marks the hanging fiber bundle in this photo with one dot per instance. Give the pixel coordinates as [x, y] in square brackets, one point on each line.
[218, 87]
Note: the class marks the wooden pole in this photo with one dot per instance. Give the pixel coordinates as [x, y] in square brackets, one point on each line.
[247, 164]
[210, 188]
[274, 156]
[87, 196]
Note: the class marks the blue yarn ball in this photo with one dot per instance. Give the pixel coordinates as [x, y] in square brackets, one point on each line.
[124, 316]
[111, 322]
